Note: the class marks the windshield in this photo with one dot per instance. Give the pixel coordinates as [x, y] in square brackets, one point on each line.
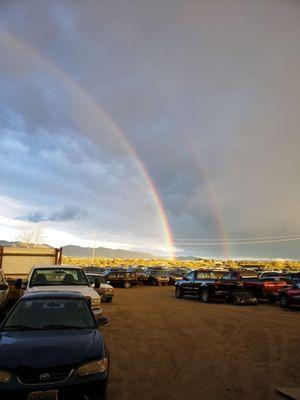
[42, 314]
[92, 278]
[58, 277]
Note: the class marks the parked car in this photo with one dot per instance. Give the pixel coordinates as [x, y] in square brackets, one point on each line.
[174, 275]
[51, 349]
[121, 279]
[289, 295]
[4, 292]
[105, 290]
[93, 269]
[62, 277]
[158, 277]
[270, 274]
[141, 275]
[206, 285]
[292, 277]
[261, 288]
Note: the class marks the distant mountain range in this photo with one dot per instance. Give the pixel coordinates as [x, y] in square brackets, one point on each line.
[77, 251]
[84, 252]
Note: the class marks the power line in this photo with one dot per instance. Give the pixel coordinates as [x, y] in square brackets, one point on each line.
[237, 242]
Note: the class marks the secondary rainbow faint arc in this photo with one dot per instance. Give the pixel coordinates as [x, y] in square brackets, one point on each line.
[216, 214]
[19, 44]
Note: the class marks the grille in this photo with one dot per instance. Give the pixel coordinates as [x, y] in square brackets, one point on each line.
[45, 376]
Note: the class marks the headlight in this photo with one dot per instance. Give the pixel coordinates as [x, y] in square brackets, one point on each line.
[5, 376]
[92, 368]
[96, 301]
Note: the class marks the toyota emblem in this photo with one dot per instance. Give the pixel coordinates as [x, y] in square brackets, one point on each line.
[44, 377]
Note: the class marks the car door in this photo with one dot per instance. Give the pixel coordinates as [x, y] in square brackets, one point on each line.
[294, 294]
[228, 282]
[201, 278]
[121, 278]
[188, 283]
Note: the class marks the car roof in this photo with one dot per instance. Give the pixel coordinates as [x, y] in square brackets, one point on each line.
[53, 294]
[57, 266]
[206, 270]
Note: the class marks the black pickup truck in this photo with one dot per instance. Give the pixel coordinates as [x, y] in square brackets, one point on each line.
[207, 285]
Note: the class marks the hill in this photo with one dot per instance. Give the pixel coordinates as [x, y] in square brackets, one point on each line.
[103, 252]
[84, 252]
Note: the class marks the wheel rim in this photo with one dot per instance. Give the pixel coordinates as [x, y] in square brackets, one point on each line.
[283, 301]
[204, 297]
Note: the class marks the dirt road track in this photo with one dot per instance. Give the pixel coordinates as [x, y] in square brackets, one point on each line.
[166, 348]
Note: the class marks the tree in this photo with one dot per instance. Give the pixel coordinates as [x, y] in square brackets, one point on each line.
[31, 237]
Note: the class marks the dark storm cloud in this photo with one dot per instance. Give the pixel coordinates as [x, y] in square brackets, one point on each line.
[66, 214]
[207, 92]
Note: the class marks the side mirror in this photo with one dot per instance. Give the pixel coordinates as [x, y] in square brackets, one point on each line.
[18, 284]
[102, 321]
[4, 287]
[97, 283]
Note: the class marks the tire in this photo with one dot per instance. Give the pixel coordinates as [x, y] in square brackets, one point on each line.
[127, 285]
[178, 292]
[109, 300]
[272, 299]
[234, 301]
[204, 296]
[284, 302]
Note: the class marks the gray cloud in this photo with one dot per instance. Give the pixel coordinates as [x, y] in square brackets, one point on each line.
[206, 92]
[66, 214]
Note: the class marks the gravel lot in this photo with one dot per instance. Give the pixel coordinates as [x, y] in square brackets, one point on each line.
[166, 348]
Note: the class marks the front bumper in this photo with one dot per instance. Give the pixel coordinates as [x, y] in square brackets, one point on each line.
[108, 295]
[93, 387]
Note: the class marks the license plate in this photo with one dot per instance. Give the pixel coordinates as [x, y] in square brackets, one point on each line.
[48, 395]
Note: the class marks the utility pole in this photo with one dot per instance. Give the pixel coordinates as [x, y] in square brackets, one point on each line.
[93, 256]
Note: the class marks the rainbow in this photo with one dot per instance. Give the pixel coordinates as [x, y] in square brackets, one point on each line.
[215, 209]
[17, 44]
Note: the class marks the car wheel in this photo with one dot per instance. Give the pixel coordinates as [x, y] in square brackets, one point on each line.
[204, 296]
[178, 292]
[126, 285]
[284, 302]
[272, 299]
[109, 300]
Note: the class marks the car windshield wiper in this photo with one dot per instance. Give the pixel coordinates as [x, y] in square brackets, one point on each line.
[22, 328]
[62, 326]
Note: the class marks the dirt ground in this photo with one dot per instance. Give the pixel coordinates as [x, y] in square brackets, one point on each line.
[167, 348]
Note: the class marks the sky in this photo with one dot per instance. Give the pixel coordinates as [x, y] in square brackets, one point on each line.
[170, 127]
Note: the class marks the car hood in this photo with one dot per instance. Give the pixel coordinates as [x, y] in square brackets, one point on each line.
[39, 349]
[86, 291]
[105, 286]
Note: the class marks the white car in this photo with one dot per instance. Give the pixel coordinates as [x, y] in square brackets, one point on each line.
[3, 292]
[62, 278]
[105, 290]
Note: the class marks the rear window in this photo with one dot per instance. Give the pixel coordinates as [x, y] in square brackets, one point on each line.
[58, 277]
[249, 274]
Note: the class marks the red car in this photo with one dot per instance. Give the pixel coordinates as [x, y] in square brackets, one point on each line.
[260, 288]
[289, 295]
